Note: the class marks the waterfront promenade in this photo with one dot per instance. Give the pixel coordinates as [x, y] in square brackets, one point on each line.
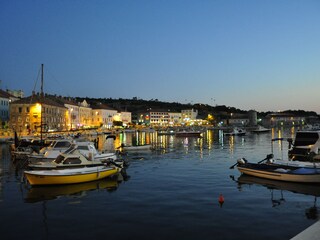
[311, 233]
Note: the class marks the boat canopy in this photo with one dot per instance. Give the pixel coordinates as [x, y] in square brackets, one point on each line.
[306, 138]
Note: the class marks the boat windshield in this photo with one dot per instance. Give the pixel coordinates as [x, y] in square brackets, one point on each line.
[52, 143]
[62, 144]
[83, 147]
[59, 159]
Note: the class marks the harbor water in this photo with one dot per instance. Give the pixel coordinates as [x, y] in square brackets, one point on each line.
[169, 193]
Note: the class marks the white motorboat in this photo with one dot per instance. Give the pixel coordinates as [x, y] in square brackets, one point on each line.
[125, 148]
[236, 132]
[66, 160]
[88, 149]
[52, 151]
[188, 133]
[261, 129]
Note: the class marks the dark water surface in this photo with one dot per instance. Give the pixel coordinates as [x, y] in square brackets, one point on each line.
[171, 193]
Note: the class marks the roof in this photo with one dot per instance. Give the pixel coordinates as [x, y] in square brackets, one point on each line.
[5, 94]
[98, 105]
[36, 98]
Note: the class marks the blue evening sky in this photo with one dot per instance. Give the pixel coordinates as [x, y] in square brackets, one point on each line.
[248, 54]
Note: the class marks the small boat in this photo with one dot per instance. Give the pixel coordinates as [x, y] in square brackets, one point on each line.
[22, 148]
[74, 159]
[125, 148]
[279, 172]
[186, 133]
[69, 176]
[293, 163]
[52, 151]
[261, 129]
[166, 132]
[88, 149]
[236, 132]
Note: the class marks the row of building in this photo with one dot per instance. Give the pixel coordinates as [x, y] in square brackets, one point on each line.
[55, 113]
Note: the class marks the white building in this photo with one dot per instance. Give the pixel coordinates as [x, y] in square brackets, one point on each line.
[125, 118]
[189, 114]
[174, 118]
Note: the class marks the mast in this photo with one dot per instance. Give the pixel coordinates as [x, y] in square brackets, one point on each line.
[42, 80]
[41, 102]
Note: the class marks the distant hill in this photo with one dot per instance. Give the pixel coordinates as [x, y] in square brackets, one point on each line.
[135, 105]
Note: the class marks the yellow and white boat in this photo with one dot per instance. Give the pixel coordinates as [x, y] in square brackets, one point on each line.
[69, 176]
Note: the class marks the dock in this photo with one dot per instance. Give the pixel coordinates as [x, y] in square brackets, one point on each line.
[311, 233]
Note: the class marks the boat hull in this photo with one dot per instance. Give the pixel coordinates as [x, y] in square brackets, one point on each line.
[137, 148]
[281, 176]
[57, 177]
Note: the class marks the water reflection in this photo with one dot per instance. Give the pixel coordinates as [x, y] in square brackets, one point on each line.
[168, 193]
[165, 143]
[279, 187]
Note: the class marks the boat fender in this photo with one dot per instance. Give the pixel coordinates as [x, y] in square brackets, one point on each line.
[242, 161]
[270, 160]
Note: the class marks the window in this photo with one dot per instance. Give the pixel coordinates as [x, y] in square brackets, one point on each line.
[72, 161]
[62, 144]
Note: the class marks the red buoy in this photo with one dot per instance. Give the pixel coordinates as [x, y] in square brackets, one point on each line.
[221, 200]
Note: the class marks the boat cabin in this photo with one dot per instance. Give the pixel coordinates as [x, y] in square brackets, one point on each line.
[306, 146]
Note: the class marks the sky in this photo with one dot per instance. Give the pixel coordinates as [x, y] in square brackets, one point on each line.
[249, 54]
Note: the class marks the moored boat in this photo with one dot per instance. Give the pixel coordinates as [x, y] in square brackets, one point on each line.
[261, 129]
[236, 132]
[73, 159]
[125, 148]
[76, 159]
[69, 176]
[52, 151]
[190, 133]
[279, 172]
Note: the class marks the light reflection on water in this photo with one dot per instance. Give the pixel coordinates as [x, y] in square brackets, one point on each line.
[172, 193]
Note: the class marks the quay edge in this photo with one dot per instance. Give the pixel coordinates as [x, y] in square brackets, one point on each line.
[311, 233]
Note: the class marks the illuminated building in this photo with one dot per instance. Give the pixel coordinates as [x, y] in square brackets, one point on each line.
[27, 114]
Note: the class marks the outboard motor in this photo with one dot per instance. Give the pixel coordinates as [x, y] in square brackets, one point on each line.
[241, 161]
[269, 158]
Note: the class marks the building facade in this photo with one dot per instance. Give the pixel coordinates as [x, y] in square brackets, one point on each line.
[37, 113]
[283, 119]
[5, 100]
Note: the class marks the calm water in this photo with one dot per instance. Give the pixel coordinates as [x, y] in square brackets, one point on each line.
[171, 193]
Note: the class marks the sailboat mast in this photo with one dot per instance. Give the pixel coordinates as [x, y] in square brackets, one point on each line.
[41, 102]
[42, 80]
